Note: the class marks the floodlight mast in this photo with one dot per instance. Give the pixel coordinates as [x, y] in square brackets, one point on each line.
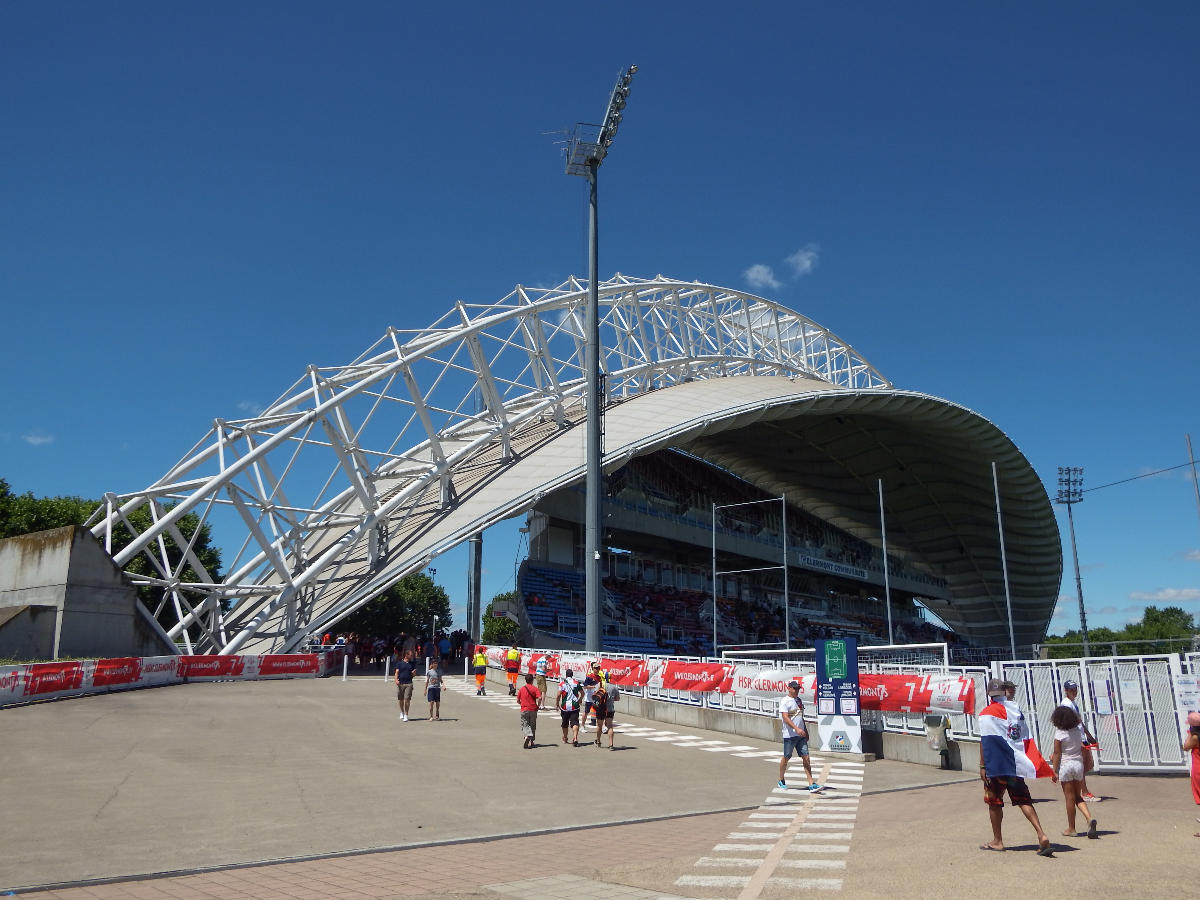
[1070, 492]
[586, 149]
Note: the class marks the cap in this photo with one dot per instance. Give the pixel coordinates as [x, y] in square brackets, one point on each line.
[794, 684]
[1070, 685]
[996, 686]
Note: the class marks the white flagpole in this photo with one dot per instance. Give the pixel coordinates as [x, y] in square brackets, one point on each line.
[1012, 642]
[887, 584]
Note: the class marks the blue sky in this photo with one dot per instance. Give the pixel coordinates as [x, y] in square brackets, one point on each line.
[997, 204]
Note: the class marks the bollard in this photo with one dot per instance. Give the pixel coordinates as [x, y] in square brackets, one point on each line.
[345, 665]
[387, 666]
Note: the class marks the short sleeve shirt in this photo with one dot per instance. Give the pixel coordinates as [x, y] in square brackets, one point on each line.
[404, 672]
[1071, 743]
[433, 679]
[566, 687]
[790, 706]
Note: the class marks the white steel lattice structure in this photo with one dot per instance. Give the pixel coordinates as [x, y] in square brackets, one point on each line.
[360, 474]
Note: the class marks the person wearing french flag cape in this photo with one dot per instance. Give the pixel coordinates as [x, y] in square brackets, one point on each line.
[1008, 757]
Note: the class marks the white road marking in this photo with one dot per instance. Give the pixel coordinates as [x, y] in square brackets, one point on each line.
[833, 815]
[812, 863]
[739, 847]
[818, 848]
[807, 884]
[715, 881]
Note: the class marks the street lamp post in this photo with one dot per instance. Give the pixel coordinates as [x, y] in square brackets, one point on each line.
[586, 149]
[1070, 492]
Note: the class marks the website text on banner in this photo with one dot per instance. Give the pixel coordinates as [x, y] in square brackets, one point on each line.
[946, 694]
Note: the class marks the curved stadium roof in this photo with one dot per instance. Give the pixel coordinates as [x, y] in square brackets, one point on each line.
[360, 474]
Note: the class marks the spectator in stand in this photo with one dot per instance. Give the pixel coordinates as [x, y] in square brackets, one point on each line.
[529, 698]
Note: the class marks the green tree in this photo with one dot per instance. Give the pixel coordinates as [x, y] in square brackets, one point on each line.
[409, 606]
[498, 630]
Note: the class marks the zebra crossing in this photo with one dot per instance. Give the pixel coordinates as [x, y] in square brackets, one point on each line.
[794, 842]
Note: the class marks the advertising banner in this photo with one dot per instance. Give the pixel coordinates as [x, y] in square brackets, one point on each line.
[50, 678]
[625, 672]
[755, 683]
[674, 675]
[200, 668]
[115, 672]
[287, 665]
[158, 670]
[918, 694]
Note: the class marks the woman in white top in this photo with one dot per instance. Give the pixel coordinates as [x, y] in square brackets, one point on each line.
[1070, 761]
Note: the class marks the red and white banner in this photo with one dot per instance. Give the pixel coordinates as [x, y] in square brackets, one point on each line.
[287, 665]
[111, 672]
[676, 675]
[52, 678]
[626, 672]
[946, 694]
[917, 693]
[210, 668]
[47, 681]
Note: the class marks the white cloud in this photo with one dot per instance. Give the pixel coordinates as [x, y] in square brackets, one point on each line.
[761, 276]
[804, 260]
[250, 408]
[37, 437]
[1171, 596]
[1193, 555]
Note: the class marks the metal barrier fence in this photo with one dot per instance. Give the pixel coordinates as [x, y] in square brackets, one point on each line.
[1131, 704]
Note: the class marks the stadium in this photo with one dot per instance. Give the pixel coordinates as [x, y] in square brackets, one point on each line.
[733, 426]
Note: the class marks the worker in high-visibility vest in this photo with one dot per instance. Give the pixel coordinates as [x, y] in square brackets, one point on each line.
[480, 665]
[512, 665]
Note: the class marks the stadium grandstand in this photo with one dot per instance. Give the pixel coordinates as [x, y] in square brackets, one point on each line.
[658, 572]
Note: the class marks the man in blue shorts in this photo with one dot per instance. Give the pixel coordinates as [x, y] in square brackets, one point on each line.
[795, 735]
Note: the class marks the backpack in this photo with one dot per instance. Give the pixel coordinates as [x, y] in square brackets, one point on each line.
[600, 699]
[615, 693]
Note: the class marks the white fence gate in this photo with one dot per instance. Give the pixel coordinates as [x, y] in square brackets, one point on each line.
[1128, 702]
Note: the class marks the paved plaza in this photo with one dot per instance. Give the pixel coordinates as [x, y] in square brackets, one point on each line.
[314, 788]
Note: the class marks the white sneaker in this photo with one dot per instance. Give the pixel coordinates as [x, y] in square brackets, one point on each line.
[404, 717]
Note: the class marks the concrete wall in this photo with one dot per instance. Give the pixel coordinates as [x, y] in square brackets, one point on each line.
[65, 577]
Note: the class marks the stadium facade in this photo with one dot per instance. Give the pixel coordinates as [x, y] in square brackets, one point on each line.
[360, 474]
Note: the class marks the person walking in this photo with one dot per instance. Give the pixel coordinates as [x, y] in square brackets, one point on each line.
[1008, 757]
[433, 690]
[1191, 745]
[795, 736]
[1070, 692]
[479, 663]
[512, 666]
[529, 699]
[404, 683]
[1070, 759]
[539, 669]
[602, 705]
[570, 691]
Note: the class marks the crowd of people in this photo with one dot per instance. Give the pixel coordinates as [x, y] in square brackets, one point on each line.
[367, 651]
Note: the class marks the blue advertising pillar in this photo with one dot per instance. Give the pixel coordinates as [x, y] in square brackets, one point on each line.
[837, 696]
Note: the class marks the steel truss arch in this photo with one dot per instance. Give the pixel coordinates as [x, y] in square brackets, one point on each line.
[334, 489]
